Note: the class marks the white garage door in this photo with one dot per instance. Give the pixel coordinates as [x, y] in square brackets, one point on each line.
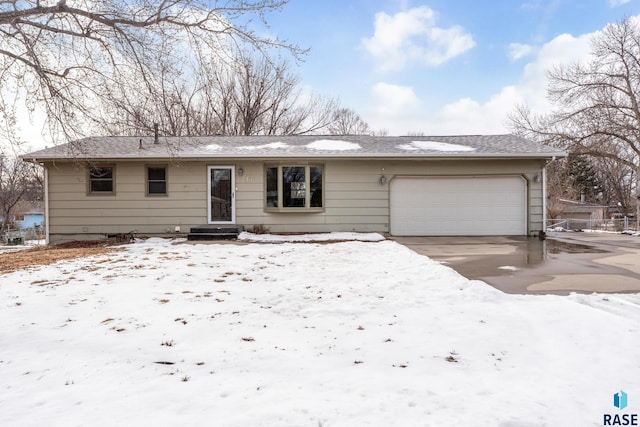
[458, 206]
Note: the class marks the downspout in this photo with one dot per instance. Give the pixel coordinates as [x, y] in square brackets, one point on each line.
[544, 198]
[46, 204]
[638, 198]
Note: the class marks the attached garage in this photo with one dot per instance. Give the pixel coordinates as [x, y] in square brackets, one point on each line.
[458, 206]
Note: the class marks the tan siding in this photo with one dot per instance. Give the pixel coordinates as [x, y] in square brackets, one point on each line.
[128, 223]
[147, 203]
[359, 203]
[72, 210]
[344, 195]
[355, 222]
[366, 187]
[354, 198]
[358, 211]
[132, 213]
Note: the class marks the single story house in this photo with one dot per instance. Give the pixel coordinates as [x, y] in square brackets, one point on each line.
[27, 214]
[581, 215]
[29, 220]
[409, 185]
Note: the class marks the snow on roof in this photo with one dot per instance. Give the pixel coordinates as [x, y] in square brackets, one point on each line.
[333, 145]
[300, 146]
[273, 145]
[436, 146]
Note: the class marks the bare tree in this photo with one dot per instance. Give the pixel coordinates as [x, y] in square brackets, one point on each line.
[71, 57]
[571, 179]
[617, 182]
[250, 96]
[259, 97]
[557, 188]
[267, 100]
[347, 122]
[597, 110]
[17, 180]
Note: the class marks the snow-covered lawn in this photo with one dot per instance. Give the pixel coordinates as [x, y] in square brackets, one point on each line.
[167, 333]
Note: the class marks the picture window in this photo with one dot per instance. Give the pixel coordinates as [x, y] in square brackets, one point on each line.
[294, 187]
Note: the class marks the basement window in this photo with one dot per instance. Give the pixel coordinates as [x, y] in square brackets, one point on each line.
[294, 188]
[101, 180]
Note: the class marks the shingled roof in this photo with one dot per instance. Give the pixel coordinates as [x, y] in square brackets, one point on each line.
[302, 146]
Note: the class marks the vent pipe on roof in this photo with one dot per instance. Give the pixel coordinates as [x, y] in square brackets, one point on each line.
[155, 132]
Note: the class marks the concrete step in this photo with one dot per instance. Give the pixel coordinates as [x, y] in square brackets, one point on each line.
[213, 232]
[216, 229]
[212, 236]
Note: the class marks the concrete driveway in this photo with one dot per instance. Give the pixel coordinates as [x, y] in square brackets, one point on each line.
[564, 263]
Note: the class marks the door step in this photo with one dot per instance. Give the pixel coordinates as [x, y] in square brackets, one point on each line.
[211, 232]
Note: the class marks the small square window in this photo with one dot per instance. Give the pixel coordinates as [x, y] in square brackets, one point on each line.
[156, 180]
[101, 180]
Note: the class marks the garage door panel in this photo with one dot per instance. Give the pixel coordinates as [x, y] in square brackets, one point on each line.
[458, 206]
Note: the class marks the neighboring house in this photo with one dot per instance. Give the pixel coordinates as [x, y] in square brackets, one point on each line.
[29, 215]
[581, 215]
[453, 185]
[29, 220]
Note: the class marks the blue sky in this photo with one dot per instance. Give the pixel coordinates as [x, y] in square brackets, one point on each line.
[440, 67]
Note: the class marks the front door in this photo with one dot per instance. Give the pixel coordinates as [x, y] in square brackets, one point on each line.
[221, 194]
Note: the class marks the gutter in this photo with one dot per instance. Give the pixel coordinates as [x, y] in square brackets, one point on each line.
[340, 156]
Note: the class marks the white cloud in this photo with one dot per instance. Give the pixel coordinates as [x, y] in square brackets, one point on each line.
[464, 116]
[394, 100]
[615, 3]
[468, 116]
[399, 111]
[392, 108]
[412, 37]
[473, 116]
[531, 5]
[564, 49]
[531, 89]
[518, 51]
